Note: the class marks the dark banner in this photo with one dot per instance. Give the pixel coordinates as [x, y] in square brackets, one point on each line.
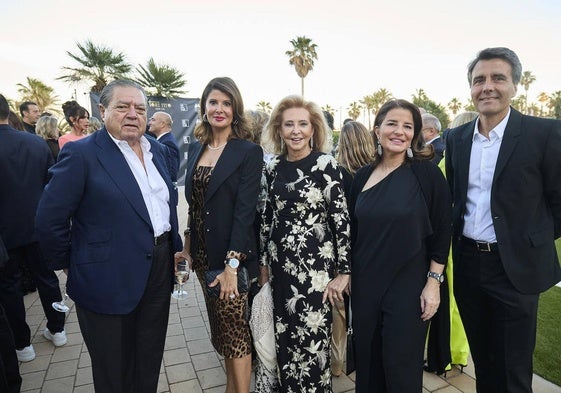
[183, 111]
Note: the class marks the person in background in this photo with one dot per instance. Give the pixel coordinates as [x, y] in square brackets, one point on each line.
[95, 124]
[431, 135]
[355, 149]
[400, 212]
[504, 171]
[78, 119]
[221, 187]
[160, 125]
[305, 241]
[108, 217]
[47, 128]
[25, 160]
[30, 114]
[461, 118]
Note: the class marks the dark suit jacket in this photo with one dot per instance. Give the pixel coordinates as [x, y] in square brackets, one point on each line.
[438, 147]
[525, 197]
[172, 155]
[24, 163]
[230, 202]
[92, 219]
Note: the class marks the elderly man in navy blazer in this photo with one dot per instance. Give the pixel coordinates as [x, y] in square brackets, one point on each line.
[24, 163]
[108, 216]
[504, 169]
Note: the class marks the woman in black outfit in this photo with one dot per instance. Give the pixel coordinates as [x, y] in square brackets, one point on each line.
[401, 219]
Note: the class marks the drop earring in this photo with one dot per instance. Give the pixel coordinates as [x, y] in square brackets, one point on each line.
[379, 149]
[409, 152]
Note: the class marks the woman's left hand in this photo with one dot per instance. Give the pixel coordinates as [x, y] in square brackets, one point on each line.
[430, 299]
[336, 288]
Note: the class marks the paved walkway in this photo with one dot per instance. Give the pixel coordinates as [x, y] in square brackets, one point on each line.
[190, 364]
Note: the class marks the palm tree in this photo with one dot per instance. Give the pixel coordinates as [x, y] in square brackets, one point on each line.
[555, 104]
[40, 93]
[527, 79]
[455, 105]
[354, 110]
[328, 108]
[368, 103]
[543, 98]
[161, 80]
[381, 96]
[302, 56]
[97, 64]
[264, 106]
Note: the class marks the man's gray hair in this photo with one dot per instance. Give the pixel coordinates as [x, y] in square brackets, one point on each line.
[430, 120]
[107, 92]
[498, 53]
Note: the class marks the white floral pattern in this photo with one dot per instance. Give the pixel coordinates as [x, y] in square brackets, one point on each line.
[305, 237]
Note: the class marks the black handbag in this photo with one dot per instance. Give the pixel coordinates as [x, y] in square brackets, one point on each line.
[210, 276]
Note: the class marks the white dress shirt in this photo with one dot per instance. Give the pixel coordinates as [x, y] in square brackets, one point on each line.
[478, 220]
[153, 187]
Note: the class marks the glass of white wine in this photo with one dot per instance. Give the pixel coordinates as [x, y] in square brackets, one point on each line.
[61, 306]
[181, 277]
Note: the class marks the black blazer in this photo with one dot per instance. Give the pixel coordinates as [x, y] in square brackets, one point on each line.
[172, 154]
[525, 197]
[230, 202]
[24, 163]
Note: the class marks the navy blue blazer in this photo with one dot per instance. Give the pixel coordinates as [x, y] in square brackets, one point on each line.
[92, 219]
[438, 148]
[172, 155]
[230, 202]
[525, 197]
[24, 163]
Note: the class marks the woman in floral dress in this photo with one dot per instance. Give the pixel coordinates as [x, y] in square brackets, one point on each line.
[305, 238]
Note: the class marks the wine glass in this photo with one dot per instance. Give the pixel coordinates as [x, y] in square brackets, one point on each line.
[181, 277]
[61, 306]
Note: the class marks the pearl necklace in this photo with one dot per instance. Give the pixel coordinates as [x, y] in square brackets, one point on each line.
[217, 147]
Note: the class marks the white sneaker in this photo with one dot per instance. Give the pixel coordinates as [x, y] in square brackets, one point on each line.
[58, 339]
[26, 354]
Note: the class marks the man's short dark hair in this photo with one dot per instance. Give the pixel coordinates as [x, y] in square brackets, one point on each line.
[499, 53]
[4, 108]
[24, 107]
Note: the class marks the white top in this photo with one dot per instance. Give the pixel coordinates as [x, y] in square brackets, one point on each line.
[478, 220]
[153, 187]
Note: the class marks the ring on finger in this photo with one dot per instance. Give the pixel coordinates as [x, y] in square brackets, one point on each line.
[232, 296]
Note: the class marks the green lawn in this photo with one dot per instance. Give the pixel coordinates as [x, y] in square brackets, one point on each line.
[547, 356]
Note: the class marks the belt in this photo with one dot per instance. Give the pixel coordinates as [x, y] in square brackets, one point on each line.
[163, 238]
[481, 246]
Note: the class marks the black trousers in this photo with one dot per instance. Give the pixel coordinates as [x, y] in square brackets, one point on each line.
[10, 380]
[500, 322]
[127, 350]
[11, 296]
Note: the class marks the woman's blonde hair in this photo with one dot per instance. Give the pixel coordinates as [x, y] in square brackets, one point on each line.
[463, 118]
[356, 146]
[322, 140]
[47, 127]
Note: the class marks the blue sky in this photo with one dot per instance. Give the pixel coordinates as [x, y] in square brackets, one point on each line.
[362, 45]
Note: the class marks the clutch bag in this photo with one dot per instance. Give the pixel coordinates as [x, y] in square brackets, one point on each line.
[210, 276]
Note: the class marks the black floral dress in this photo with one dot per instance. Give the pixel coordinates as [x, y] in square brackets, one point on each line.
[305, 238]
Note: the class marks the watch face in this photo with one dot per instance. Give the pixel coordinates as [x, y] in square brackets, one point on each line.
[234, 263]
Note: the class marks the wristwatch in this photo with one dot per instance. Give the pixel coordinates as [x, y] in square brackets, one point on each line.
[234, 263]
[437, 276]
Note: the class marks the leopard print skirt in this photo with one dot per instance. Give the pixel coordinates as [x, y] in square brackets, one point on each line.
[229, 326]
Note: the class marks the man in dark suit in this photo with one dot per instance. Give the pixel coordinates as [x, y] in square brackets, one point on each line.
[30, 114]
[160, 125]
[504, 170]
[24, 162]
[108, 216]
[431, 135]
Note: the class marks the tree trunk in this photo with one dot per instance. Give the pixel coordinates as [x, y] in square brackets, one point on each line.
[302, 79]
